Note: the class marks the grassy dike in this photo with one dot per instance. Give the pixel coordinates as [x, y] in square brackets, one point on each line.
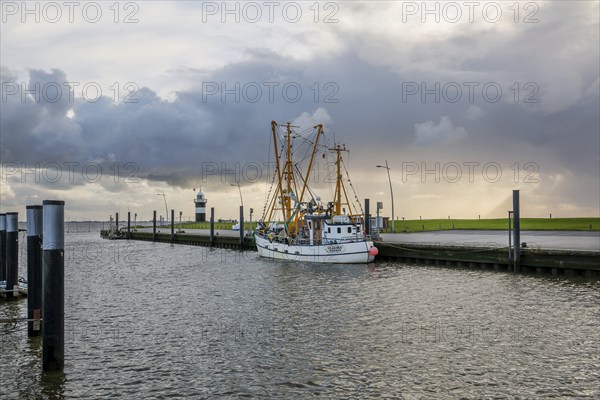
[426, 225]
[527, 224]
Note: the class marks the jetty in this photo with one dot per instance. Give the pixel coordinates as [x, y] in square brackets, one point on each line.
[552, 262]
[516, 256]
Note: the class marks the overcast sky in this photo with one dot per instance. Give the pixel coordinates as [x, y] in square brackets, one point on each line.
[104, 106]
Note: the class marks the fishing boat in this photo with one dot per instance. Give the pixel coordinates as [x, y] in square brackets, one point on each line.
[296, 225]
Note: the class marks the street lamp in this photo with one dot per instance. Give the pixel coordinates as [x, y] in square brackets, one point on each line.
[166, 208]
[391, 191]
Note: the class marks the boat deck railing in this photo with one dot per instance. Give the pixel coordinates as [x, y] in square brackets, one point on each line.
[306, 241]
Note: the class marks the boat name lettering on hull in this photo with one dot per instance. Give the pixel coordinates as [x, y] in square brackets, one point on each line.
[334, 249]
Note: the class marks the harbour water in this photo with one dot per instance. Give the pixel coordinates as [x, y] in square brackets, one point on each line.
[152, 320]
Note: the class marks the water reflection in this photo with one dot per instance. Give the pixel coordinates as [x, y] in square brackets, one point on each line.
[9, 315]
[53, 384]
[34, 346]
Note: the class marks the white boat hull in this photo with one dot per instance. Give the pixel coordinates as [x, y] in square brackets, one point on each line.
[341, 253]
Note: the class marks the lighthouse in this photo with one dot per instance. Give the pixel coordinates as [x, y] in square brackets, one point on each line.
[200, 204]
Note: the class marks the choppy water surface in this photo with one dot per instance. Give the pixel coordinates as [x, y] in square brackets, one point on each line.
[150, 320]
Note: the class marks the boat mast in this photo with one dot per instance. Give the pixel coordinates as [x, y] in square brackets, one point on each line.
[289, 177]
[312, 156]
[337, 199]
[285, 173]
[279, 190]
[338, 191]
[339, 184]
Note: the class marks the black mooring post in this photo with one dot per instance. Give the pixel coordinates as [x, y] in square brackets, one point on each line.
[12, 254]
[241, 228]
[2, 247]
[509, 237]
[154, 227]
[367, 218]
[212, 226]
[53, 244]
[34, 270]
[516, 231]
[172, 225]
[128, 224]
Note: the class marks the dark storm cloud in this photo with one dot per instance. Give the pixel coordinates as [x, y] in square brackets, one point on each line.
[176, 141]
[365, 91]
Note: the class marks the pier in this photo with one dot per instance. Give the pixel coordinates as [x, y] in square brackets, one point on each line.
[576, 258]
[579, 257]
[218, 241]
[572, 263]
[546, 262]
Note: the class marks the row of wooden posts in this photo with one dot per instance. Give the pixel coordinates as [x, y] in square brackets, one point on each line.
[154, 226]
[45, 274]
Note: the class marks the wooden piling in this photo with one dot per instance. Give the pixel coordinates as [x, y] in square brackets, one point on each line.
[212, 226]
[516, 231]
[12, 254]
[154, 227]
[53, 348]
[172, 225]
[241, 228]
[34, 269]
[367, 218]
[2, 247]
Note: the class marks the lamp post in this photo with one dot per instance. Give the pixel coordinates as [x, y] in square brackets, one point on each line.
[391, 191]
[166, 208]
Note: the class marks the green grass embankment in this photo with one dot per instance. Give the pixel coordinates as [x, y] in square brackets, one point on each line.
[528, 224]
